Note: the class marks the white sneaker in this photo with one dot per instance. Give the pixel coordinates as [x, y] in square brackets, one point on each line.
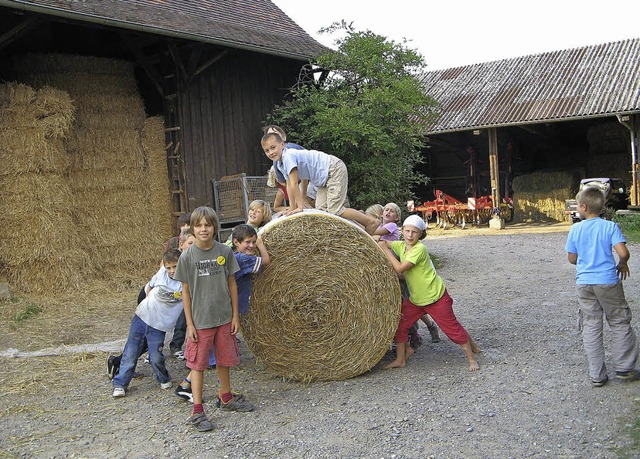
[118, 392]
[166, 385]
[179, 355]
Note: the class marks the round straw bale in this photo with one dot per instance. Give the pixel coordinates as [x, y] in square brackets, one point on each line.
[327, 306]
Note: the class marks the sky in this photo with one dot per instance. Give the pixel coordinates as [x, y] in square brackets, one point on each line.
[464, 32]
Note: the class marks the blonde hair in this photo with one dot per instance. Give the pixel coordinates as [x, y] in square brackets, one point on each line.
[375, 210]
[266, 210]
[278, 130]
[593, 198]
[396, 209]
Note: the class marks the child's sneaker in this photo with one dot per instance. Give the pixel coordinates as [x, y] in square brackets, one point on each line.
[184, 393]
[179, 355]
[627, 375]
[201, 422]
[433, 331]
[237, 403]
[118, 392]
[600, 383]
[166, 385]
[113, 365]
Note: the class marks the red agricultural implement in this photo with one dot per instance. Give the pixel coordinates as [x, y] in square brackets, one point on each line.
[449, 211]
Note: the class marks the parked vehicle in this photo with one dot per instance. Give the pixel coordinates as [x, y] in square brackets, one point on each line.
[615, 191]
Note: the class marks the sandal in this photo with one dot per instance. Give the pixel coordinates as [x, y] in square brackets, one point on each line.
[201, 422]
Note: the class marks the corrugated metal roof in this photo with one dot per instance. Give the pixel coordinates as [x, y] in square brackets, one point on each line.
[586, 82]
[257, 25]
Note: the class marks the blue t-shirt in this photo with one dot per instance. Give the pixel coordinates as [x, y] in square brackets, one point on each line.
[249, 264]
[593, 240]
[277, 166]
[312, 165]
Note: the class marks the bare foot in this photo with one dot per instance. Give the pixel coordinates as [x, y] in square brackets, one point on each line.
[394, 364]
[473, 365]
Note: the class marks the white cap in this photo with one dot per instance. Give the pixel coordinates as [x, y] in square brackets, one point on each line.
[415, 220]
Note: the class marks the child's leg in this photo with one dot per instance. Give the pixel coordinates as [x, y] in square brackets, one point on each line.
[132, 351]
[591, 312]
[197, 386]
[442, 314]
[468, 352]
[410, 315]
[155, 341]
[433, 329]
[369, 223]
[624, 350]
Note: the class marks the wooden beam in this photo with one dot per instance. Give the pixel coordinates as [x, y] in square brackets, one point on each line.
[17, 31]
[144, 62]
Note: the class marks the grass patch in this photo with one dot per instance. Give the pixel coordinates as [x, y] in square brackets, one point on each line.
[633, 431]
[30, 310]
[630, 226]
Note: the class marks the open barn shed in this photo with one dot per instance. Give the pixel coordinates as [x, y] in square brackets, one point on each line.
[530, 128]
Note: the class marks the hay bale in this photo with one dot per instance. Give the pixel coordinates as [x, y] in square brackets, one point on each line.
[159, 194]
[327, 306]
[541, 196]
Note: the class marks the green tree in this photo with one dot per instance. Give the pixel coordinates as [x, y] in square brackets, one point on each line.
[367, 108]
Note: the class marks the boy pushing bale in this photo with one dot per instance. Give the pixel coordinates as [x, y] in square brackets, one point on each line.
[327, 306]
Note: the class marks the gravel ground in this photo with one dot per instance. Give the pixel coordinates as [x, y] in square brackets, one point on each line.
[513, 291]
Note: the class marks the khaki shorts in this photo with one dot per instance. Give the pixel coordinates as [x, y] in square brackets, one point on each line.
[332, 197]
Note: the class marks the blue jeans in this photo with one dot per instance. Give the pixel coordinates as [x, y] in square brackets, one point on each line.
[141, 334]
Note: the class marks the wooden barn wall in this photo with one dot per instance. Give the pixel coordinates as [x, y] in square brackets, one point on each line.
[222, 113]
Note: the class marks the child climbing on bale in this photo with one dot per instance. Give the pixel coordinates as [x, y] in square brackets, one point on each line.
[428, 294]
[327, 172]
[259, 214]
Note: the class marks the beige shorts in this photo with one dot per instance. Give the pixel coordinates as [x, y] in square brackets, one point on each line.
[332, 197]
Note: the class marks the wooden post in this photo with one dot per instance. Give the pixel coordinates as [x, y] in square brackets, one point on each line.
[496, 222]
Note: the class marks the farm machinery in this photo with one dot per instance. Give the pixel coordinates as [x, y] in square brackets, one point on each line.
[449, 211]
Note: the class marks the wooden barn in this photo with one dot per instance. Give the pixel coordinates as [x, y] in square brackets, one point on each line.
[530, 127]
[116, 116]
[212, 69]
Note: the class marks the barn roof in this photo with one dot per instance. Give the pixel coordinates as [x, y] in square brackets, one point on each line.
[256, 25]
[587, 82]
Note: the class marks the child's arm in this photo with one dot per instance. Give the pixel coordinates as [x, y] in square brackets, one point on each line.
[233, 293]
[572, 257]
[398, 266]
[623, 258]
[278, 202]
[293, 190]
[262, 250]
[192, 334]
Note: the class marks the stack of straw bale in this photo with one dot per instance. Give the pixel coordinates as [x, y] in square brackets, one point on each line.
[541, 196]
[39, 250]
[109, 171]
[327, 306]
[158, 198]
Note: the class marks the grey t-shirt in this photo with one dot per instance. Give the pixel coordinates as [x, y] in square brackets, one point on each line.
[207, 273]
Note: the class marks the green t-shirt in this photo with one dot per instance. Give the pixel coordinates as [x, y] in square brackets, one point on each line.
[425, 286]
[207, 273]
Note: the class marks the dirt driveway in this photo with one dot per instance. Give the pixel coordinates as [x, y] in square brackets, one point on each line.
[513, 291]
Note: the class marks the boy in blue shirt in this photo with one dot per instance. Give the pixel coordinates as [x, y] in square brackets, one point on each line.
[599, 288]
[311, 167]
